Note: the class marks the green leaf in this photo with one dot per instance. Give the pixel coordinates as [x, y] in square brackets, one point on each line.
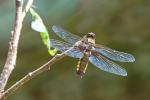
[38, 25]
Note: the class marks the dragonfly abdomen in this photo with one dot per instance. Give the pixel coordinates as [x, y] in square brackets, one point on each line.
[82, 65]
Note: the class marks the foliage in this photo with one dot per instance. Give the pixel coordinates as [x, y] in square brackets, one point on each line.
[38, 25]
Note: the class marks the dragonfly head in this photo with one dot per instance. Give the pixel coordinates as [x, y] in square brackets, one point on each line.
[90, 35]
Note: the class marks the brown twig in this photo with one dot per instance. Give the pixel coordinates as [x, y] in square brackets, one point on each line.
[33, 74]
[13, 44]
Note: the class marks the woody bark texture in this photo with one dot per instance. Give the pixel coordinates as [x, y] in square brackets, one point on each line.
[13, 44]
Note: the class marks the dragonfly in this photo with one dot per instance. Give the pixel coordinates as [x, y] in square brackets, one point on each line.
[86, 50]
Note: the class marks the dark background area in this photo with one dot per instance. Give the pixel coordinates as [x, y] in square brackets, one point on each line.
[123, 25]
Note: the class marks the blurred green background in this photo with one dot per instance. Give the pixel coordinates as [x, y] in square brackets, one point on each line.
[123, 25]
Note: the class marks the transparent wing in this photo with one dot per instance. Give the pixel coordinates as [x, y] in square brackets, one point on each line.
[113, 54]
[107, 65]
[67, 36]
[62, 46]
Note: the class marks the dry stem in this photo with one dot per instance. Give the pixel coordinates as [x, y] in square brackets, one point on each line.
[13, 44]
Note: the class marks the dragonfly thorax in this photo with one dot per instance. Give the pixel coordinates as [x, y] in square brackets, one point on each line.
[85, 44]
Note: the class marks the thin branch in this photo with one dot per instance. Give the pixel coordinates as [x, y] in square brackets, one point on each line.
[28, 6]
[13, 44]
[33, 74]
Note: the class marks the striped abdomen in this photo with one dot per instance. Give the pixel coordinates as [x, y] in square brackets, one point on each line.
[82, 65]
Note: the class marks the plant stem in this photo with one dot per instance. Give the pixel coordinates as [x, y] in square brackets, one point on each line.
[33, 74]
[13, 45]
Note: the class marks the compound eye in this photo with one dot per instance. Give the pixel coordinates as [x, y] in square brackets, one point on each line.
[90, 35]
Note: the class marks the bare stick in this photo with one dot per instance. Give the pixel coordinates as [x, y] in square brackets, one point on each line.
[33, 74]
[13, 44]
